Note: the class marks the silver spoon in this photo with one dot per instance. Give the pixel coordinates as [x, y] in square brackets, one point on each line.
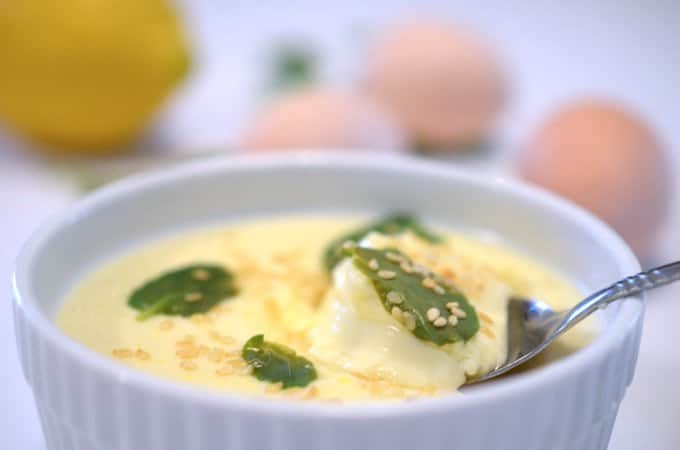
[533, 325]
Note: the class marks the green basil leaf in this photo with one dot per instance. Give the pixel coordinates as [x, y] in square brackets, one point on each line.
[390, 224]
[406, 291]
[277, 363]
[183, 292]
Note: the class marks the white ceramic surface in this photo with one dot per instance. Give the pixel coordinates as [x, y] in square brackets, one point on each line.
[88, 402]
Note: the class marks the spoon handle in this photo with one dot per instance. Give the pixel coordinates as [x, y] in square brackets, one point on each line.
[635, 284]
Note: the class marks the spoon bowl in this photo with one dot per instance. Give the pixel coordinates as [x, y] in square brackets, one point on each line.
[533, 325]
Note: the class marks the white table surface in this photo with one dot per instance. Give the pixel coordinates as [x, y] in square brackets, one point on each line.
[553, 52]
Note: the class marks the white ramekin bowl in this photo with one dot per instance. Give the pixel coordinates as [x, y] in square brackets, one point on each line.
[89, 402]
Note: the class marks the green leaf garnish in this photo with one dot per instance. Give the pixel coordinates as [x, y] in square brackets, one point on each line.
[183, 292]
[400, 284]
[277, 363]
[390, 224]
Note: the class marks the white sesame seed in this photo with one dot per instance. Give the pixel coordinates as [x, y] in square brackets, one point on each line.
[200, 274]
[373, 264]
[438, 290]
[406, 267]
[224, 371]
[453, 320]
[394, 257]
[485, 318]
[409, 321]
[440, 322]
[395, 297]
[122, 353]
[387, 274]
[349, 245]
[397, 313]
[419, 268]
[490, 334]
[141, 354]
[433, 314]
[451, 305]
[429, 283]
[458, 313]
[193, 297]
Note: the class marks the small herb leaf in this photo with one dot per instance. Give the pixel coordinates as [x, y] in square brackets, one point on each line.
[183, 292]
[277, 363]
[414, 296]
[390, 224]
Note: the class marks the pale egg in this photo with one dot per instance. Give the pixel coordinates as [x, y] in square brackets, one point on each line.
[606, 159]
[321, 119]
[443, 84]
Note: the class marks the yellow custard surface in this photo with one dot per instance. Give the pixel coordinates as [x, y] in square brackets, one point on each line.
[361, 353]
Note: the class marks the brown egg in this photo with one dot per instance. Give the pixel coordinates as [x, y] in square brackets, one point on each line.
[606, 159]
[443, 84]
[321, 120]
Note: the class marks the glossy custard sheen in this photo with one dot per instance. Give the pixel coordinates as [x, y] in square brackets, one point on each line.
[361, 348]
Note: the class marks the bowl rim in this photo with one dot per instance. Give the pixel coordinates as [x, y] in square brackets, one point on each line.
[23, 296]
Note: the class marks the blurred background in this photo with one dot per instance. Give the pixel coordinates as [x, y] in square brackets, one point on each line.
[581, 98]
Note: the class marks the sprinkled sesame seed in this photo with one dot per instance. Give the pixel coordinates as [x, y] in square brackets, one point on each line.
[183, 346]
[453, 320]
[224, 371]
[429, 283]
[215, 354]
[141, 354]
[387, 274]
[458, 313]
[166, 325]
[349, 245]
[188, 365]
[188, 353]
[490, 334]
[439, 290]
[193, 297]
[393, 257]
[395, 297]
[397, 313]
[373, 264]
[433, 314]
[485, 317]
[200, 274]
[233, 355]
[440, 322]
[406, 267]
[409, 321]
[419, 268]
[214, 335]
[122, 353]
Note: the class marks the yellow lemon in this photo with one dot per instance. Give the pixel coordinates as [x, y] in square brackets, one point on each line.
[87, 75]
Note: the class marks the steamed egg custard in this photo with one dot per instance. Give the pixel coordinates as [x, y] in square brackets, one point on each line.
[314, 308]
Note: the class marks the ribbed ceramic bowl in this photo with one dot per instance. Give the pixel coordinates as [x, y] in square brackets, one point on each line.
[89, 402]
